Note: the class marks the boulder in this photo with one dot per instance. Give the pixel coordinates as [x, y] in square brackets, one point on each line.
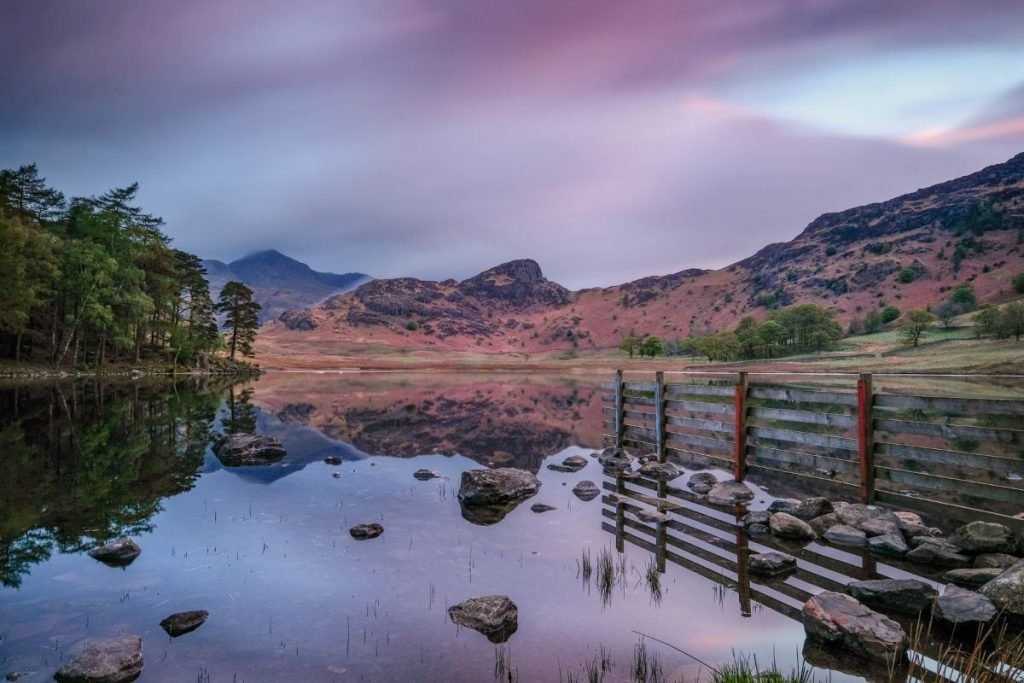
[542, 507]
[496, 487]
[771, 564]
[894, 596]
[114, 660]
[249, 450]
[615, 459]
[366, 530]
[908, 519]
[1007, 590]
[651, 516]
[425, 475]
[756, 517]
[971, 578]
[939, 554]
[890, 545]
[495, 616]
[758, 530]
[785, 525]
[662, 471]
[880, 527]
[984, 537]
[702, 482]
[332, 460]
[575, 462]
[586, 490]
[957, 606]
[824, 523]
[730, 493]
[809, 508]
[995, 561]
[840, 620]
[857, 514]
[787, 505]
[180, 623]
[842, 534]
[120, 552]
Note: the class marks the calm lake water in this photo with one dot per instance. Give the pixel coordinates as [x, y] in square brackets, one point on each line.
[266, 550]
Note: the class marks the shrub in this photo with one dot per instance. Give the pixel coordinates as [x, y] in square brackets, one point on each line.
[889, 313]
[1018, 283]
[830, 250]
[908, 275]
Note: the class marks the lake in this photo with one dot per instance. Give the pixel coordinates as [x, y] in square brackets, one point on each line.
[266, 550]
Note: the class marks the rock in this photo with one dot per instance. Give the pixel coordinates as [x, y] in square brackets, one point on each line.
[496, 487]
[899, 596]
[856, 514]
[880, 527]
[840, 620]
[809, 508]
[586, 490]
[120, 552]
[701, 482]
[939, 554]
[336, 475]
[14, 675]
[825, 657]
[842, 534]
[787, 505]
[771, 564]
[958, 606]
[249, 450]
[542, 507]
[824, 523]
[1007, 590]
[908, 519]
[180, 623]
[995, 561]
[729, 493]
[574, 463]
[971, 578]
[651, 516]
[758, 530]
[756, 517]
[114, 660]
[425, 475]
[662, 471]
[333, 460]
[495, 616]
[984, 537]
[785, 525]
[615, 459]
[366, 530]
[890, 545]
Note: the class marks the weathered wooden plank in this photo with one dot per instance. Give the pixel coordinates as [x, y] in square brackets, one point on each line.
[957, 486]
[773, 456]
[608, 398]
[807, 416]
[807, 438]
[706, 425]
[771, 393]
[679, 390]
[637, 401]
[989, 463]
[783, 474]
[638, 386]
[946, 511]
[1007, 437]
[718, 445]
[710, 460]
[947, 405]
[701, 407]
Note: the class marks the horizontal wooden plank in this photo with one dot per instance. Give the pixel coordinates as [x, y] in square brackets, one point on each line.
[706, 425]
[707, 459]
[803, 396]
[715, 445]
[945, 511]
[774, 456]
[957, 486]
[988, 463]
[638, 386]
[636, 401]
[700, 407]
[608, 398]
[1007, 437]
[781, 475]
[806, 438]
[677, 390]
[807, 416]
[947, 405]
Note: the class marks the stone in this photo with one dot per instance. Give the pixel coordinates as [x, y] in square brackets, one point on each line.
[729, 493]
[785, 525]
[495, 616]
[787, 505]
[496, 486]
[1007, 590]
[771, 564]
[366, 530]
[856, 514]
[115, 660]
[957, 606]
[758, 530]
[809, 508]
[542, 507]
[249, 450]
[890, 545]
[332, 460]
[899, 596]
[180, 623]
[908, 519]
[971, 578]
[651, 516]
[756, 517]
[120, 552]
[702, 482]
[615, 459]
[880, 527]
[984, 537]
[336, 475]
[586, 490]
[662, 471]
[425, 475]
[842, 534]
[840, 620]
[824, 523]
[995, 561]
[577, 462]
[939, 554]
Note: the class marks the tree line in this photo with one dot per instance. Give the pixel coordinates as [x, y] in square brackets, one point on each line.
[91, 280]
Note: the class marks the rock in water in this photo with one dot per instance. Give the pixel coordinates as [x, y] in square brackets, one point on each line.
[184, 622]
[840, 620]
[651, 516]
[542, 507]
[841, 534]
[333, 460]
[425, 475]
[785, 525]
[890, 545]
[971, 578]
[810, 508]
[900, 596]
[1006, 591]
[574, 463]
[366, 530]
[249, 450]
[958, 606]
[586, 490]
[771, 564]
[497, 487]
[120, 552]
[615, 459]
[939, 554]
[662, 471]
[984, 537]
[729, 493]
[701, 482]
[495, 616]
[115, 660]
[756, 517]
[787, 505]
[995, 561]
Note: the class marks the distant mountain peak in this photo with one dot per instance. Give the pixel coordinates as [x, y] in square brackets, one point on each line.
[524, 270]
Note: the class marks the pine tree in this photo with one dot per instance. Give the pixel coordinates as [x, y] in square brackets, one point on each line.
[241, 317]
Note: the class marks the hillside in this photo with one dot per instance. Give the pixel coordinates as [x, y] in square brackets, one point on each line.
[279, 283]
[968, 229]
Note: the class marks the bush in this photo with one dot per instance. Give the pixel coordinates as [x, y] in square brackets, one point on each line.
[1018, 283]
[890, 313]
[908, 275]
[411, 326]
[830, 250]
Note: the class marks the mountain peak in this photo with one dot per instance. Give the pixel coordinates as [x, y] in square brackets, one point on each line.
[524, 270]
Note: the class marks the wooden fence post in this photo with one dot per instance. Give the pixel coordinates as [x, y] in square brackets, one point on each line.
[659, 413]
[620, 425]
[866, 438]
[740, 432]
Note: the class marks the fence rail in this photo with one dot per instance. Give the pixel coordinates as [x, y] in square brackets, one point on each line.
[941, 454]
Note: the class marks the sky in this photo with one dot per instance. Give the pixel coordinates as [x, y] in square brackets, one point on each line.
[608, 140]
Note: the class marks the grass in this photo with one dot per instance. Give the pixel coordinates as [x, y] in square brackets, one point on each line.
[585, 566]
[995, 656]
[606, 574]
[744, 669]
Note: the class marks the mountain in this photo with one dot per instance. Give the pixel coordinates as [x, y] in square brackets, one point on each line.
[907, 252]
[279, 283]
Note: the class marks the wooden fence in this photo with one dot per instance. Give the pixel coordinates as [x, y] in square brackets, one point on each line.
[959, 458]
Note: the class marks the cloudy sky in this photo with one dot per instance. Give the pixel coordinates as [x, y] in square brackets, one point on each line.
[607, 139]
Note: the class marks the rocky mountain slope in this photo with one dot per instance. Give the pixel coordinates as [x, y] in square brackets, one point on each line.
[906, 252]
[279, 283]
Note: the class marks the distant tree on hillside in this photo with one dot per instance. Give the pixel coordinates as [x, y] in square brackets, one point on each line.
[1018, 283]
[914, 324]
[241, 317]
[652, 346]
[889, 314]
[963, 296]
[630, 345]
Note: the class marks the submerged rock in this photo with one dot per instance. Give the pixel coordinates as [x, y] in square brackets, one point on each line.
[366, 530]
[729, 493]
[180, 623]
[701, 482]
[785, 525]
[425, 475]
[542, 507]
[899, 596]
[984, 537]
[586, 490]
[495, 616]
[840, 620]
[115, 660]
[249, 450]
[120, 552]
[771, 564]
[957, 606]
